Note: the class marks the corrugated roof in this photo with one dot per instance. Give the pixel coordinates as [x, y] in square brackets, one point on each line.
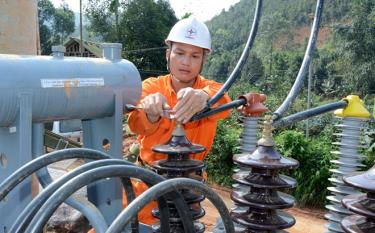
[93, 47]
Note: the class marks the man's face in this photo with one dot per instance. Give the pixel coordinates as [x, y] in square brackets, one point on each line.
[185, 61]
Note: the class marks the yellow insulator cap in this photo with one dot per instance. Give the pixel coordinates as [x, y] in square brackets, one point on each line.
[355, 108]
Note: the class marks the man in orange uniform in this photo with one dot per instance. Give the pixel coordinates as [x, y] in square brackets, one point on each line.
[184, 91]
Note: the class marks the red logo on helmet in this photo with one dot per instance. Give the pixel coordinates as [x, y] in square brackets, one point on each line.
[191, 33]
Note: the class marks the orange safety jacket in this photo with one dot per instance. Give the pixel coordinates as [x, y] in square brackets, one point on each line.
[150, 134]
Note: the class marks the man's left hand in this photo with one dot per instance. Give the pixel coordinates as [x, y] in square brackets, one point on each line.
[190, 101]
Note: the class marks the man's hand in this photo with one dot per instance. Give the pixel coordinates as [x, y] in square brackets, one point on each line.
[153, 105]
[190, 101]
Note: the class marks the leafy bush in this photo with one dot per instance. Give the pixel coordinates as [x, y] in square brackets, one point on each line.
[219, 161]
[312, 175]
[312, 153]
[369, 139]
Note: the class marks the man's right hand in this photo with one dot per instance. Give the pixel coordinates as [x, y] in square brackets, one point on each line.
[154, 105]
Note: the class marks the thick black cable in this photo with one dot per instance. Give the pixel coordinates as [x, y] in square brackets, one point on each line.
[130, 196]
[165, 187]
[305, 63]
[233, 104]
[309, 113]
[240, 64]
[149, 177]
[26, 215]
[88, 209]
[26, 170]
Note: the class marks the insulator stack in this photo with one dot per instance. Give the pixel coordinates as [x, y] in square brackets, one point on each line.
[247, 145]
[256, 192]
[176, 165]
[348, 160]
[248, 137]
[361, 204]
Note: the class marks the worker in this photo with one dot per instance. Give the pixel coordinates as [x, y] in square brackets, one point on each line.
[184, 92]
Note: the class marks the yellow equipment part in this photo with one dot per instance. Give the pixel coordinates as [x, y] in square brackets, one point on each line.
[355, 108]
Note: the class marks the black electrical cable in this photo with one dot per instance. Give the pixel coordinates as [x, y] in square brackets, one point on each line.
[305, 63]
[149, 177]
[26, 215]
[39, 165]
[84, 206]
[233, 104]
[165, 187]
[309, 113]
[237, 70]
[130, 196]
[23, 172]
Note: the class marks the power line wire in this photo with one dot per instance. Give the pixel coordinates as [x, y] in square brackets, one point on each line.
[145, 49]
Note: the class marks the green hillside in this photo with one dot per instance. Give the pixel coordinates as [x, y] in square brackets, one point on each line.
[343, 64]
[347, 30]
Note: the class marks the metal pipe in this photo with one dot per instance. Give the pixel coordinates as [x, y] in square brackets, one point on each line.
[165, 187]
[237, 70]
[112, 51]
[309, 96]
[80, 29]
[149, 177]
[233, 104]
[305, 63]
[309, 113]
[99, 225]
[58, 51]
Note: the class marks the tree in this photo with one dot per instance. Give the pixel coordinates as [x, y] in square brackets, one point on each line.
[104, 16]
[146, 25]
[63, 23]
[55, 24]
[45, 15]
[356, 49]
[142, 24]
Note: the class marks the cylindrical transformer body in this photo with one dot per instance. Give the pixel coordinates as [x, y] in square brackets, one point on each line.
[65, 88]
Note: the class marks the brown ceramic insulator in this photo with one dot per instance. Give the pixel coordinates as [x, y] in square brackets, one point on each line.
[177, 228]
[178, 164]
[266, 179]
[255, 193]
[358, 224]
[362, 180]
[239, 228]
[254, 104]
[178, 145]
[269, 221]
[361, 204]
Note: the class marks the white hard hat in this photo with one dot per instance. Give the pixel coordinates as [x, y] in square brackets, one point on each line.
[190, 31]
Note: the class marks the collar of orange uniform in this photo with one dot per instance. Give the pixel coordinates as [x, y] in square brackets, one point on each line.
[168, 83]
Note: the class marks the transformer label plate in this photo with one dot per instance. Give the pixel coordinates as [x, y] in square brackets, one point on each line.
[75, 82]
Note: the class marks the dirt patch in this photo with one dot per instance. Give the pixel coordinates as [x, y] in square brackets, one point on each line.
[301, 34]
[307, 220]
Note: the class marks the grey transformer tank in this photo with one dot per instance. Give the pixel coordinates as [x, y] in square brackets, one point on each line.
[67, 87]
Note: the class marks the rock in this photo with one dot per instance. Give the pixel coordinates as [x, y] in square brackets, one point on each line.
[66, 219]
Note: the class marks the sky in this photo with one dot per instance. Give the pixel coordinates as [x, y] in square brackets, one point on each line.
[202, 9]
